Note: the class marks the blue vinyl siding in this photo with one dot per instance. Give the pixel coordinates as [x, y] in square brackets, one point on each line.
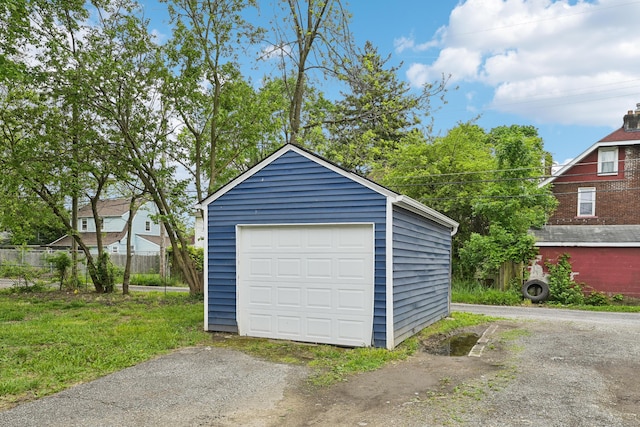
[291, 189]
[421, 273]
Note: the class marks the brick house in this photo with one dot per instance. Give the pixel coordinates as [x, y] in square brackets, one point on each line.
[597, 221]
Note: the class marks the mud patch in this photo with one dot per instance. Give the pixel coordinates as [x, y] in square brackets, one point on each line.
[396, 392]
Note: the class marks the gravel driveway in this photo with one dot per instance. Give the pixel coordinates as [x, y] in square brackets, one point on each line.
[540, 368]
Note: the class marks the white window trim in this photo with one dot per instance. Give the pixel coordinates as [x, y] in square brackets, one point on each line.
[84, 224]
[115, 249]
[147, 226]
[602, 150]
[581, 191]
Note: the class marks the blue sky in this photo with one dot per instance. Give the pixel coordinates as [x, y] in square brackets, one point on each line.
[569, 68]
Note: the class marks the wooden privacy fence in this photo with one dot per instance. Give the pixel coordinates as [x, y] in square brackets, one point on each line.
[140, 263]
[507, 272]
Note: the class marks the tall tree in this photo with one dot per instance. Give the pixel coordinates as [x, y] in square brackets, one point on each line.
[207, 37]
[315, 37]
[125, 90]
[375, 114]
[48, 132]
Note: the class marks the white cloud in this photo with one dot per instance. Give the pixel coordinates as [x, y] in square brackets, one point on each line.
[552, 61]
[275, 51]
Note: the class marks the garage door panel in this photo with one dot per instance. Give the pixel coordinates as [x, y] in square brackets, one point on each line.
[350, 330]
[319, 328]
[319, 268]
[289, 297]
[260, 295]
[289, 268]
[352, 300]
[260, 323]
[353, 269]
[319, 298]
[289, 326]
[320, 280]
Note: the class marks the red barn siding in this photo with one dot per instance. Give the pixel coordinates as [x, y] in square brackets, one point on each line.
[609, 270]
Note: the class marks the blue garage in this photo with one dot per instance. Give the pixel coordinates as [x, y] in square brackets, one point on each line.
[298, 248]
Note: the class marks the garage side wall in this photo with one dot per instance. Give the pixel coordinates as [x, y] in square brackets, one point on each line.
[421, 273]
[290, 190]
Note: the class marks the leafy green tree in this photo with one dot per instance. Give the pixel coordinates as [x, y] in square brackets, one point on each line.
[447, 174]
[512, 204]
[221, 113]
[53, 146]
[125, 92]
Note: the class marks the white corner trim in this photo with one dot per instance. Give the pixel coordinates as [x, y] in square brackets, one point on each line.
[205, 270]
[389, 275]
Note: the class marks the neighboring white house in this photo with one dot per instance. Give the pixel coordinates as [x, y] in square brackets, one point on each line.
[114, 214]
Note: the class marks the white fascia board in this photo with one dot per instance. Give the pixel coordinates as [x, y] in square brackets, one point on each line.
[248, 174]
[589, 244]
[241, 178]
[584, 154]
[350, 175]
[425, 211]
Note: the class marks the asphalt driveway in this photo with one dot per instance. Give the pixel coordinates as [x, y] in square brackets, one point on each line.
[200, 386]
[563, 368]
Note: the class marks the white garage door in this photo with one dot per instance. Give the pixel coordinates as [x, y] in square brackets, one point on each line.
[310, 283]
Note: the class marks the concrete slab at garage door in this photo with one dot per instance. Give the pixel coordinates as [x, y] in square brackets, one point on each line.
[309, 282]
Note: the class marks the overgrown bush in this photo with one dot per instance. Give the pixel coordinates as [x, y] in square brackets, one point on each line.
[61, 262]
[562, 288]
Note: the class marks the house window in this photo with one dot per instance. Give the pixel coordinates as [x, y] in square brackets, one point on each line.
[114, 249]
[147, 226]
[84, 224]
[586, 201]
[608, 161]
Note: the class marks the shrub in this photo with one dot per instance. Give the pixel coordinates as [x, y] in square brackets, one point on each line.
[61, 262]
[562, 288]
[597, 298]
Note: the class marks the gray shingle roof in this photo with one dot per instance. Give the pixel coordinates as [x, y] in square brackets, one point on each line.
[596, 235]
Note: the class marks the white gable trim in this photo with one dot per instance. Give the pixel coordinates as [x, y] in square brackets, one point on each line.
[279, 153]
[402, 201]
[584, 154]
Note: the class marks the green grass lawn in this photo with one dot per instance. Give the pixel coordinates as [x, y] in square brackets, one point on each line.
[52, 340]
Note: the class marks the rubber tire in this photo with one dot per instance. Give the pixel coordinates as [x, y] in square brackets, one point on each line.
[535, 290]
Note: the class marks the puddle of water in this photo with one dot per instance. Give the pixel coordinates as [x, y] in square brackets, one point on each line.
[457, 345]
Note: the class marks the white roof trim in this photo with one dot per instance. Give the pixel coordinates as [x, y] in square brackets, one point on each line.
[425, 211]
[286, 148]
[584, 154]
[402, 201]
